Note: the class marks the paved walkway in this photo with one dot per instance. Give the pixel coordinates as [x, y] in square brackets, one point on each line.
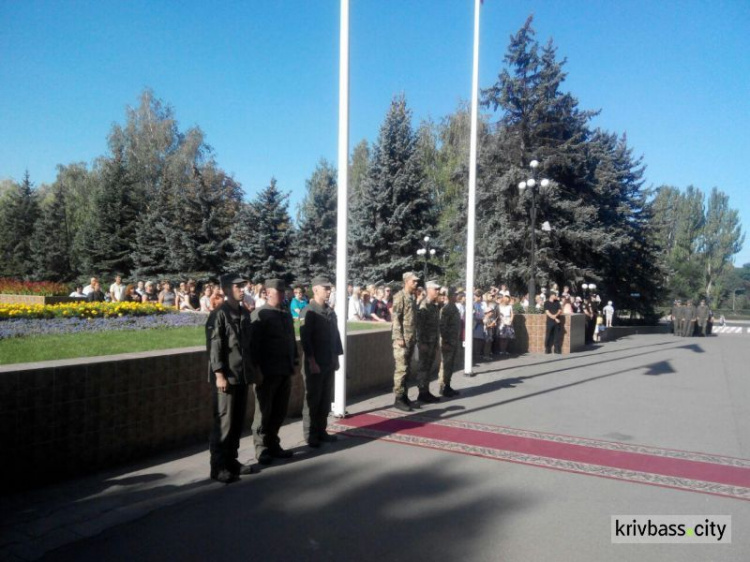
[528, 463]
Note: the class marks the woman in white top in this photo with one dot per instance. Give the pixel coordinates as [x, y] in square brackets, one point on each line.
[505, 330]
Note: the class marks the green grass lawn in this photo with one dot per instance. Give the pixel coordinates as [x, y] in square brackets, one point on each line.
[69, 346]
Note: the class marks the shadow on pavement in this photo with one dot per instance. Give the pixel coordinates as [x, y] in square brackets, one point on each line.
[328, 509]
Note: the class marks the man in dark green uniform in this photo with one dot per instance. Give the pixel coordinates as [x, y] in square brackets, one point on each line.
[230, 371]
[276, 353]
[689, 319]
[428, 340]
[450, 340]
[321, 343]
[702, 313]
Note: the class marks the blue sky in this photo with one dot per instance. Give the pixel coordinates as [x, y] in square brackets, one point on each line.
[261, 77]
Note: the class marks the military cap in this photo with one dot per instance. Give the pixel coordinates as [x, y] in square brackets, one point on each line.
[411, 275]
[320, 280]
[277, 284]
[231, 279]
[433, 285]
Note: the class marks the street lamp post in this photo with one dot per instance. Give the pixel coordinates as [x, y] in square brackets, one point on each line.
[427, 252]
[588, 288]
[531, 185]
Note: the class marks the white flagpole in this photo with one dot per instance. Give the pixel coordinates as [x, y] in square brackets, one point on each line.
[469, 320]
[339, 401]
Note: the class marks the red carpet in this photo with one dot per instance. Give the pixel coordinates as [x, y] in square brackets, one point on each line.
[697, 472]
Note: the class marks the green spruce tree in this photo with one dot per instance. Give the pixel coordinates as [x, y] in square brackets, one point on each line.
[395, 210]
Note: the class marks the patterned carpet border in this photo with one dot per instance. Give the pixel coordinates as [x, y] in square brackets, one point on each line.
[591, 469]
[571, 440]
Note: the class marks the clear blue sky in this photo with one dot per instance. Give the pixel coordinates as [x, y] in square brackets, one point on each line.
[261, 78]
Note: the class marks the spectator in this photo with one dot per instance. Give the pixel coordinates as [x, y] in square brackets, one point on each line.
[206, 298]
[567, 305]
[368, 309]
[167, 296]
[355, 306]
[217, 298]
[129, 294]
[95, 294]
[505, 324]
[299, 301]
[609, 313]
[248, 298]
[90, 287]
[150, 295]
[78, 293]
[191, 302]
[380, 306]
[180, 296]
[140, 289]
[116, 289]
[478, 333]
[260, 295]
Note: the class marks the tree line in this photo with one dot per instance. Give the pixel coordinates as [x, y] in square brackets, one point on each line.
[158, 204]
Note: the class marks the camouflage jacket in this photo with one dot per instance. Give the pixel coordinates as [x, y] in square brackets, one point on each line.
[428, 323]
[404, 315]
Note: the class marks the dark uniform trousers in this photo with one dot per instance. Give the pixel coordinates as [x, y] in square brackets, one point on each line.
[229, 410]
[271, 404]
[552, 337]
[317, 404]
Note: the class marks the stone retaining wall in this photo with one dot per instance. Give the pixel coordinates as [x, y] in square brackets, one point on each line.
[64, 418]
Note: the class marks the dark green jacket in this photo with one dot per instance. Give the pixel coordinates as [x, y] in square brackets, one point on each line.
[274, 342]
[229, 345]
[319, 334]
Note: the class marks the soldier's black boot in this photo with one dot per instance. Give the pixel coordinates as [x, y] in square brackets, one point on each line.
[402, 403]
[427, 398]
[447, 391]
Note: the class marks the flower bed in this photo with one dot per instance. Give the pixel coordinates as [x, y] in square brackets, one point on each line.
[80, 310]
[40, 288]
[24, 327]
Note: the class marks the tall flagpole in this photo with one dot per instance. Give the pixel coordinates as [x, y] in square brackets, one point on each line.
[469, 314]
[339, 401]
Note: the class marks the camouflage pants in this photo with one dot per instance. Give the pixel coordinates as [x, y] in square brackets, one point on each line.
[402, 356]
[449, 356]
[429, 363]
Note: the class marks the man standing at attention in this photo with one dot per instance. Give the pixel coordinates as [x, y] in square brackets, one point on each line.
[276, 353]
[428, 339]
[321, 343]
[230, 371]
[450, 340]
[404, 334]
[553, 311]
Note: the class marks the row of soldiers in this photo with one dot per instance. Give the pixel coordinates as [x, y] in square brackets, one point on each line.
[432, 330]
[689, 320]
[261, 350]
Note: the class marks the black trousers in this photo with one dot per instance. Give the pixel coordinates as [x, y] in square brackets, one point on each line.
[552, 337]
[317, 405]
[229, 410]
[271, 404]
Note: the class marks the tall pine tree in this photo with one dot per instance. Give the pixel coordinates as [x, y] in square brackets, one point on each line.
[18, 215]
[395, 211]
[315, 237]
[261, 237]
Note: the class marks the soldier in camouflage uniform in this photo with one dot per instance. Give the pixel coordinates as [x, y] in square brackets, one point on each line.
[428, 340]
[404, 315]
[450, 340]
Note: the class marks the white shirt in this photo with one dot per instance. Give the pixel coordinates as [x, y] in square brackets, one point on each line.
[117, 290]
[356, 311]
